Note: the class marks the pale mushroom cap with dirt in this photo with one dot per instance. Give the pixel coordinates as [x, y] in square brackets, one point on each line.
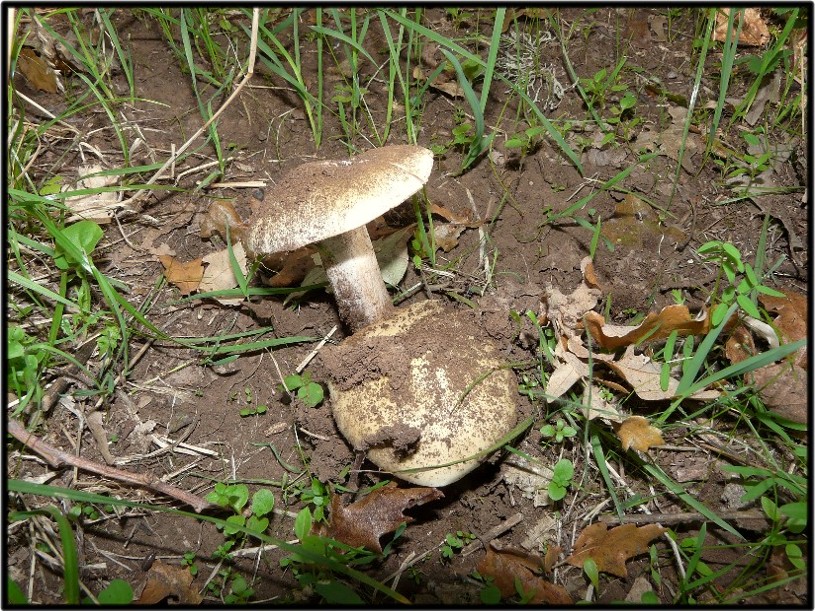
[422, 388]
[328, 203]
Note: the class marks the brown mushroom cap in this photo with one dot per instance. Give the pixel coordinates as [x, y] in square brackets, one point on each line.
[322, 199]
[422, 388]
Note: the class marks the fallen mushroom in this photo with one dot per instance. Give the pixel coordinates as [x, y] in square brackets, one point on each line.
[328, 203]
[422, 388]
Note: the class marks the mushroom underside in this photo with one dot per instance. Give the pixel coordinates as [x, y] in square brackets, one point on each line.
[419, 389]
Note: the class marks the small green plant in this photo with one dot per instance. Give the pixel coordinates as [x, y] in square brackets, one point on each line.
[117, 592]
[254, 411]
[317, 578]
[235, 497]
[240, 592]
[743, 284]
[317, 494]
[188, 560]
[528, 141]
[309, 392]
[558, 431]
[454, 543]
[600, 87]
[562, 474]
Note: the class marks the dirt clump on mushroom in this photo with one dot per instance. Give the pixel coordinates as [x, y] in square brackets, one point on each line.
[432, 370]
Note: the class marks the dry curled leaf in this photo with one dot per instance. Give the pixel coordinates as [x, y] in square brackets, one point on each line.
[754, 30]
[98, 206]
[363, 522]
[636, 432]
[507, 565]
[793, 312]
[653, 327]
[611, 548]
[165, 580]
[186, 275]
[220, 216]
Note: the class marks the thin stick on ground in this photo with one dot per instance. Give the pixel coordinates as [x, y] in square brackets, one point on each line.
[58, 458]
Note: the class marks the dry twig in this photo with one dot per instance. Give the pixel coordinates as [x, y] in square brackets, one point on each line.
[58, 458]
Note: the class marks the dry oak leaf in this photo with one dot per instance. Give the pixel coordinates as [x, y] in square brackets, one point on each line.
[506, 565]
[185, 275]
[165, 580]
[363, 522]
[653, 327]
[754, 31]
[793, 311]
[784, 390]
[636, 432]
[611, 548]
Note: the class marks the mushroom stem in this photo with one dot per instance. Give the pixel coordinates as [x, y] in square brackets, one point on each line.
[353, 271]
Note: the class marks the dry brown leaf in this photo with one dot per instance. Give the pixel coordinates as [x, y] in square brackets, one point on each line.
[363, 522]
[185, 275]
[754, 32]
[218, 274]
[507, 565]
[36, 71]
[165, 580]
[784, 390]
[793, 312]
[565, 375]
[611, 548]
[219, 216]
[644, 377]
[453, 217]
[444, 82]
[636, 432]
[98, 206]
[589, 275]
[654, 327]
[740, 344]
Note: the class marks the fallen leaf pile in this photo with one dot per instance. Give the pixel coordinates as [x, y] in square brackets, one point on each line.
[571, 314]
[611, 548]
[507, 565]
[363, 522]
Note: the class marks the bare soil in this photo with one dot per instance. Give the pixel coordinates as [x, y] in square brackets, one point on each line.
[185, 398]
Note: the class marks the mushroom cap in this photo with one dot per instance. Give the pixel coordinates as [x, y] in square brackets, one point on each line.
[422, 388]
[322, 199]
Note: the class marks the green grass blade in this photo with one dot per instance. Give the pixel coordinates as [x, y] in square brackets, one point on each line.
[452, 46]
[70, 559]
[689, 500]
[41, 290]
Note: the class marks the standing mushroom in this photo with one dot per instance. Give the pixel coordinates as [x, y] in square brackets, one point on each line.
[328, 203]
[416, 388]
